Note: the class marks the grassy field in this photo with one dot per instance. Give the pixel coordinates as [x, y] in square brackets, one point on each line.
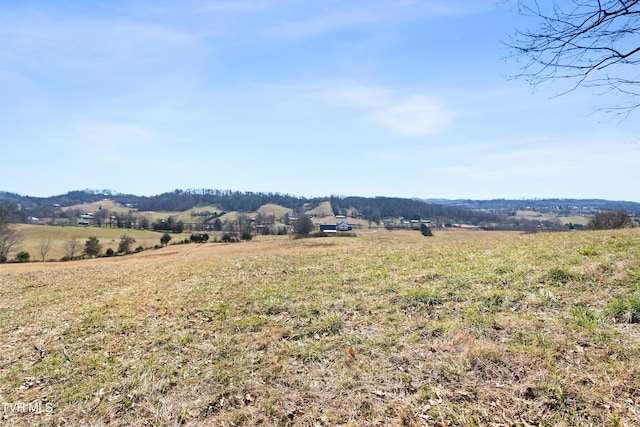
[537, 216]
[35, 235]
[102, 204]
[465, 328]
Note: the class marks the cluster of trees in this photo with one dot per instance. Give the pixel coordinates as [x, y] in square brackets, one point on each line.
[608, 220]
[490, 213]
[109, 219]
[169, 224]
[73, 248]
[181, 200]
[199, 238]
[93, 248]
[207, 213]
[378, 208]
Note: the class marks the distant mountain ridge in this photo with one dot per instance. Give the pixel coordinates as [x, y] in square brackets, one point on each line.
[602, 204]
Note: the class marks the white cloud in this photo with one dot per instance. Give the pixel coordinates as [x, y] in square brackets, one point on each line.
[86, 48]
[405, 115]
[417, 115]
[338, 16]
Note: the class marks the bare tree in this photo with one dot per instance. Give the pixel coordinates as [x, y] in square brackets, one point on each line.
[303, 225]
[590, 43]
[44, 247]
[71, 247]
[606, 220]
[101, 216]
[9, 236]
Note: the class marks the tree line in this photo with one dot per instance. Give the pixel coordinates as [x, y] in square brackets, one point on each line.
[378, 208]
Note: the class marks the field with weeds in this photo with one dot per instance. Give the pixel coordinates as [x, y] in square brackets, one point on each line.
[465, 328]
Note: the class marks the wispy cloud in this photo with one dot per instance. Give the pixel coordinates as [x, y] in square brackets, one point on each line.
[88, 47]
[410, 115]
[229, 6]
[417, 115]
[338, 16]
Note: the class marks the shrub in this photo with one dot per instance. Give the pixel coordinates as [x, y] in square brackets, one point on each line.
[23, 256]
[199, 238]
[246, 235]
[426, 231]
[164, 240]
[109, 252]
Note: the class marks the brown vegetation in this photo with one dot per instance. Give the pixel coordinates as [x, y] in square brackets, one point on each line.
[464, 328]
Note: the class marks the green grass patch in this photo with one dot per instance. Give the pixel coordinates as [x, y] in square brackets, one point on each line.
[625, 309]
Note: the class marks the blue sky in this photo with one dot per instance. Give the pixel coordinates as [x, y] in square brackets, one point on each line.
[402, 98]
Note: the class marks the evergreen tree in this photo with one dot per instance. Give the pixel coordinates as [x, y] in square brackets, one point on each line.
[92, 247]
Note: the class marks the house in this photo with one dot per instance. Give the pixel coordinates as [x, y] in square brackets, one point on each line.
[343, 226]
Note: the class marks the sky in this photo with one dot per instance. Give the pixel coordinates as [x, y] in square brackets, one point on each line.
[397, 98]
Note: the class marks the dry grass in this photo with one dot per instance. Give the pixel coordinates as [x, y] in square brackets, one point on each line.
[275, 210]
[104, 204]
[35, 235]
[323, 210]
[465, 328]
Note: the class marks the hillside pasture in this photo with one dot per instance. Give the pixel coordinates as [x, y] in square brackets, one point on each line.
[322, 210]
[276, 210]
[102, 204]
[465, 328]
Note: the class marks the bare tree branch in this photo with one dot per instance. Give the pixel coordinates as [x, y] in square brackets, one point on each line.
[591, 43]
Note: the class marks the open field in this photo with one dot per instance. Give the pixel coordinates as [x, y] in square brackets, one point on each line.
[152, 216]
[323, 210]
[35, 235]
[389, 328]
[534, 215]
[102, 204]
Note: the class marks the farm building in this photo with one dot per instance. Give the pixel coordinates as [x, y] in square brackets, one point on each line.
[334, 228]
